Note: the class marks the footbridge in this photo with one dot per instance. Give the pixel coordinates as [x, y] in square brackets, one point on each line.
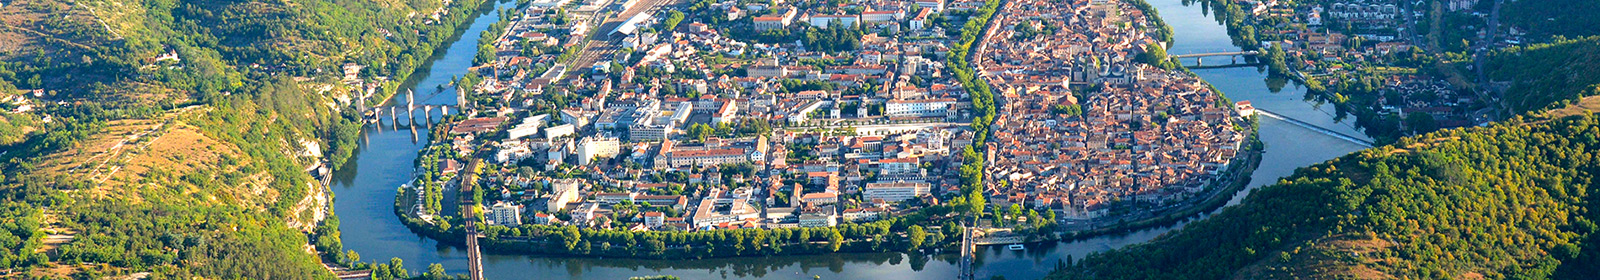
[1199, 58]
[1238, 53]
[1352, 139]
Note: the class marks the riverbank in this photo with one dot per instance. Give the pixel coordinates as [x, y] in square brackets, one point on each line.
[387, 156]
[459, 18]
[1215, 200]
[331, 251]
[699, 245]
[861, 237]
[1385, 82]
[1235, 178]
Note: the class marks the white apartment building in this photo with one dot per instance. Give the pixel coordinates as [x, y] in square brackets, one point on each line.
[822, 21]
[818, 219]
[563, 191]
[712, 157]
[506, 214]
[918, 108]
[895, 191]
[597, 147]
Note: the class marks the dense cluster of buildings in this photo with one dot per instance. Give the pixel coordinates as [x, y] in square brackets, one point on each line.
[1147, 135]
[684, 128]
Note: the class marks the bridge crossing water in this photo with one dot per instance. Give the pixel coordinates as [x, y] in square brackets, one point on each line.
[1199, 58]
[366, 190]
[968, 254]
[410, 109]
[1364, 143]
[1238, 53]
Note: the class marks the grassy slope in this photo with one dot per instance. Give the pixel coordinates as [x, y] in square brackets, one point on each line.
[182, 171]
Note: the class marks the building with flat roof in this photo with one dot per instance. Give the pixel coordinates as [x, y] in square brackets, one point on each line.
[597, 147]
[562, 192]
[918, 108]
[824, 218]
[506, 214]
[822, 21]
[895, 191]
[777, 20]
[709, 157]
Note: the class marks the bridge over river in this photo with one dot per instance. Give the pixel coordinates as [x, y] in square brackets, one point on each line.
[1238, 53]
[1353, 139]
[1199, 58]
[411, 109]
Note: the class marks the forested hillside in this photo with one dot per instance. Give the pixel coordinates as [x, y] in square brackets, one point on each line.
[1506, 201]
[173, 136]
[1551, 74]
[1545, 18]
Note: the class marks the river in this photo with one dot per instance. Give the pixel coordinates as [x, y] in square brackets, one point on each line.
[365, 188]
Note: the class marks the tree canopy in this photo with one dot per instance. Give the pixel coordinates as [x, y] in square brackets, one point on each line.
[1507, 201]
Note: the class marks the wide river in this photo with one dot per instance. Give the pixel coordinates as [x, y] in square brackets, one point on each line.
[365, 188]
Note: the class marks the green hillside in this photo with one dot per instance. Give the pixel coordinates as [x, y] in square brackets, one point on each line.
[1507, 201]
[192, 166]
[1543, 75]
[1545, 18]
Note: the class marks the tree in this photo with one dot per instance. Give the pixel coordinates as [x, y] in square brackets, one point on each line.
[699, 132]
[1416, 198]
[398, 269]
[671, 23]
[916, 235]
[1026, 31]
[381, 272]
[436, 272]
[1016, 211]
[835, 239]
[1033, 218]
[570, 237]
[1069, 110]
[1277, 60]
[352, 256]
[1154, 55]
[975, 202]
[1419, 122]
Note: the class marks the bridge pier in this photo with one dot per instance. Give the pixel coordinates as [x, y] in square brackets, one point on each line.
[411, 106]
[427, 113]
[1199, 61]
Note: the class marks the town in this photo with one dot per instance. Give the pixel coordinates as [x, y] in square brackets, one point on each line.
[753, 115]
[1142, 134]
